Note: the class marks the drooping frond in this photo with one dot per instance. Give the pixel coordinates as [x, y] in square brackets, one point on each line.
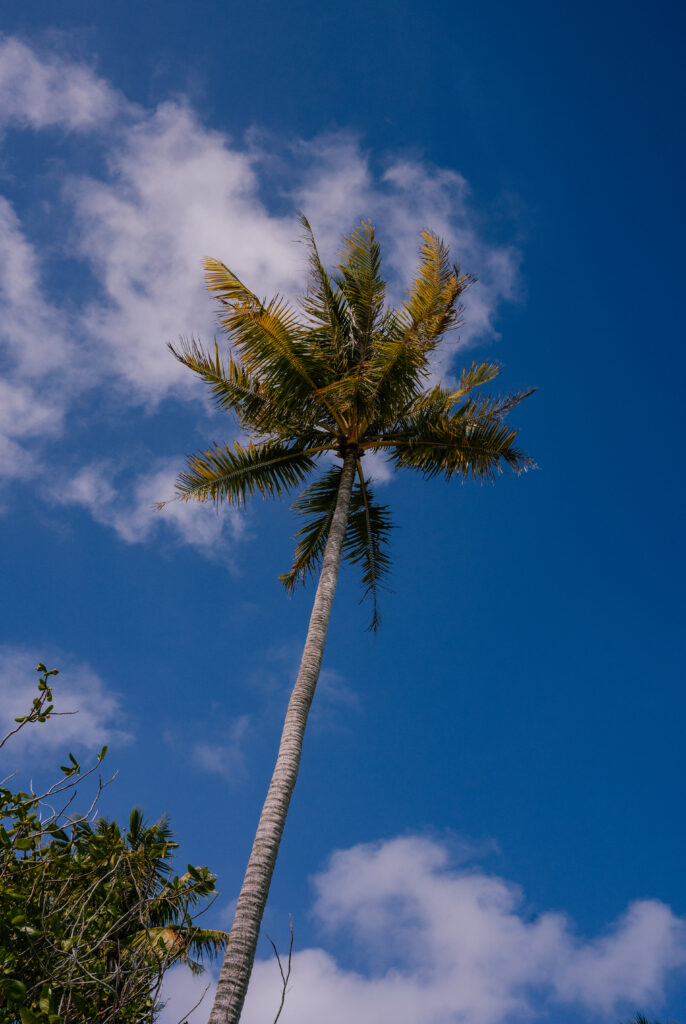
[366, 542]
[231, 474]
[317, 502]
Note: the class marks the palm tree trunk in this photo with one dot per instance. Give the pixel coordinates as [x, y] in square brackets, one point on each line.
[242, 944]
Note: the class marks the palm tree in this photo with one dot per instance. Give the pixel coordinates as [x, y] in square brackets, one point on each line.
[345, 377]
[640, 1019]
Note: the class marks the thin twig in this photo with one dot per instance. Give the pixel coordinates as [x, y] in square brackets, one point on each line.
[184, 1019]
[284, 976]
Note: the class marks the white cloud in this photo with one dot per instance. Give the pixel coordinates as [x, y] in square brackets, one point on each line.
[181, 992]
[44, 90]
[127, 502]
[177, 192]
[32, 346]
[440, 942]
[77, 688]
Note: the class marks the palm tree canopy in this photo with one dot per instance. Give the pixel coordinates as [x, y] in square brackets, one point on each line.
[344, 373]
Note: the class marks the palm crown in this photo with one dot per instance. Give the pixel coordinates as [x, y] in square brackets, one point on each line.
[345, 375]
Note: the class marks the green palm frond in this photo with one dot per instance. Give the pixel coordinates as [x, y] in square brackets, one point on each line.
[228, 287]
[433, 406]
[223, 473]
[432, 306]
[271, 342]
[400, 361]
[366, 542]
[324, 305]
[476, 377]
[257, 406]
[458, 445]
[317, 502]
[358, 278]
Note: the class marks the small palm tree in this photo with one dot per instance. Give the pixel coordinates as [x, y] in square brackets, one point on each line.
[346, 377]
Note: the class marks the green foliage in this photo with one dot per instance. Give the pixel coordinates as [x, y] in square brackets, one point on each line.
[345, 373]
[91, 914]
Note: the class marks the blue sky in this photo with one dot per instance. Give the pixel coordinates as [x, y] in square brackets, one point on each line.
[488, 825]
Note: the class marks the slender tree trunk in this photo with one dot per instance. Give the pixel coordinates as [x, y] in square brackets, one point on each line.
[242, 944]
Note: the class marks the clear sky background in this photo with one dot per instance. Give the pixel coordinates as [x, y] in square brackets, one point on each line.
[488, 825]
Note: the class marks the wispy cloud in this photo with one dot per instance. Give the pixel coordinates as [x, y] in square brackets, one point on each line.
[99, 717]
[127, 502]
[231, 745]
[225, 756]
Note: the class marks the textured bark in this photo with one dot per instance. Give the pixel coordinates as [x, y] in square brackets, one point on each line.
[242, 944]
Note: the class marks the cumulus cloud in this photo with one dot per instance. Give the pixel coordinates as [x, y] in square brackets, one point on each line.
[440, 941]
[99, 719]
[443, 943]
[169, 191]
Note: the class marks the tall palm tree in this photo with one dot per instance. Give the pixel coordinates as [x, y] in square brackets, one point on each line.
[345, 377]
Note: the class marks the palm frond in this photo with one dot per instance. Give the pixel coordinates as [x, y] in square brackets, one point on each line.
[457, 445]
[432, 305]
[475, 377]
[257, 406]
[174, 942]
[272, 343]
[366, 535]
[324, 304]
[358, 278]
[229, 288]
[400, 357]
[499, 407]
[206, 941]
[317, 502]
[366, 541]
[222, 473]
